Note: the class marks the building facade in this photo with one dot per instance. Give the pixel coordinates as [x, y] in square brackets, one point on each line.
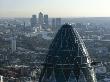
[13, 44]
[33, 21]
[67, 59]
[46, 22]
[40, 19]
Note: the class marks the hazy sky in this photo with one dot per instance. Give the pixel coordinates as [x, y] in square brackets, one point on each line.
[55, 8]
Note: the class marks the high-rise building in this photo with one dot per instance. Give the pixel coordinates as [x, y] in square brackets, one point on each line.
[40, 19]
[46, 20]
[58, 22]
[13, 44]
[67, 59]
[53, 23]
[33, 21]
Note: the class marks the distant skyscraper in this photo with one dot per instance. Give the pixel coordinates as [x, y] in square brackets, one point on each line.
[13, 44]
[33, 21]
[53, 23]
[24, 26]
[46, 20]
[58, 22]
[41, 19]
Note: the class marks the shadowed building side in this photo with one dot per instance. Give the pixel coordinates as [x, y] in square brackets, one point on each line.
[67, 59]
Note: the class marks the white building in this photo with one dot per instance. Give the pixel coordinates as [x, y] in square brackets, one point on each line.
[1, 78]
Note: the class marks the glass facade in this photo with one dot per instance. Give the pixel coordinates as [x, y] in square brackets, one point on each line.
[67, 59]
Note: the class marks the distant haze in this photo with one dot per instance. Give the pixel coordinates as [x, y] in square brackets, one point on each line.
[55, 8]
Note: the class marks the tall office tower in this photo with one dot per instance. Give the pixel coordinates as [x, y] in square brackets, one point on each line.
[24, 27]
[53, 23]
[68, 59]
[58, 22]
[33, 21]
[41, 19]
[46, 20]
[13, 44]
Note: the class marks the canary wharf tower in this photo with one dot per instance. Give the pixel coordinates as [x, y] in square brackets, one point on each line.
[67, 59]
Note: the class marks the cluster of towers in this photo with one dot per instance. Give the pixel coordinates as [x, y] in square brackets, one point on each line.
[43, 21]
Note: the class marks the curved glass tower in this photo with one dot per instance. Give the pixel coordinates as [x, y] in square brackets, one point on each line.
[67, 59]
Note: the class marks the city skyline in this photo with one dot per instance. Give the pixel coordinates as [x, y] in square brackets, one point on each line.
[55, 8]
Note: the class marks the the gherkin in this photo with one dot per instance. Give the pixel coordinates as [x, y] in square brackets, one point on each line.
[67, 59]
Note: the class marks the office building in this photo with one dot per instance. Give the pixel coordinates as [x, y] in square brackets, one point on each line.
[13, 44]
[53, 23]
[40, 19]
[33, 21]
[58, 22]
[46, 20]
[68, 59]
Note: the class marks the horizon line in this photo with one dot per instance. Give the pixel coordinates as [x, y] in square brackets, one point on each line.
[63, 17]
